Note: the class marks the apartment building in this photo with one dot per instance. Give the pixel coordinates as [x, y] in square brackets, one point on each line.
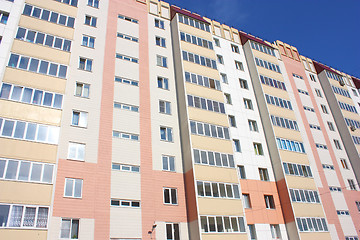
[134, 119]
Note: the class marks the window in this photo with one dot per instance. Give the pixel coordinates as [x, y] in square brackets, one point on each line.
[258, 149]
[125, 167]
[253, 126]
[170, 196]
[201, 60]
[73, 187]
[206, 104]
[88, 41]
[246, 200]
[305, 196]
[124, 135]
[163, 83]
[164, 107]
[172, 231]
[76, 151]
[239, 65]
[72, 2]
[284, 122]
[297, 170]
[160, 41]
[128, 19]
[232, 121]
[344, 163]
[237, 145]
[90, 21]
[166, 134]
[85, 64]
[217, 42]
[312, 77]
[234, 48]
[93, 3]
[279, 102]
[127, 58]
[269, 201]
[168, 163]
[248, 104]
[358, 205]
[82, 90]
[79, 119]
[202, 81]
[161, 61]
[243, 83]
[209, 130]
[252, 231]
[352, 184]
[216, 190]
[159, 24]
[4, 17]
[125, 203]
[324, 109]
[127, 37]
[196, 40]
[228, 98]
[25, 171]
[69, 228]
[20, 216]
[264, 176]
[331, 126]
[337, 144]
[220, 59]
[262, 48]
[44, 14]
[267, 65]
[275, 231]
[213, 158]
[318, 92]
[222, 224]
[126, 107]
[194, 23]
[311, 224]
[224, 78]
[354, 92]
[290, 145]
[272, 82]
[242, 173]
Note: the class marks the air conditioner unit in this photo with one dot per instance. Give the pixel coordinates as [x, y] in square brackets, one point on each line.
[342, 83]
[352, 128]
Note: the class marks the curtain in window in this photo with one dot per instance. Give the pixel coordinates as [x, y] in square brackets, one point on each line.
[15, 217]
[42, 217]
[29, 217]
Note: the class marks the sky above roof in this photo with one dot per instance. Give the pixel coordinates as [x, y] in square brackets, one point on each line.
[327, 31]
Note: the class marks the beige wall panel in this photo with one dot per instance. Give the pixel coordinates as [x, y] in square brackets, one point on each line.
[125, 223]
[265, 56]
[125, 93]
[350, 115]
[308, 210]
[87, 229]
[217, 236]
[201, 70]
[54, 227]
[300, 183]
[202, 51]
[13, 234]
[315, 235]
[344, 99]
[18, 149]
[48, 27]
[194, 31]
[287, 134]
[128, 28]
[126, 121]
[205, 92]
[207, 116]
[212, 144]
[293, 157]
[275, 92]
[34, 80]
[215, 174]
[125, 185]
[216, 206]
[269, 73]
[32, 113]
[125, 151]
[41, 52]
[127, 47]
[127, 69]
[23, 192]
[281, 112]
[56, 6]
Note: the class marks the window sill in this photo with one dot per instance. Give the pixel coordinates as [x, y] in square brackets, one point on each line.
[87, 46]
[85, 70]
[79, 198]
[84, 127]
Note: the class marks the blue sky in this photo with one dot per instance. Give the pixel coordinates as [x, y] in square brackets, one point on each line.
[324, 30]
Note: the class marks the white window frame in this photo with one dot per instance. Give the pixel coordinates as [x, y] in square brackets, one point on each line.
[170, 161]
[170, 193]
[160, 41]
[82, 118]
[92, 21]
[78, 148]
[82, 87]
[85, 64]
[164, 107]
[71, 234]
[167, 129]
[73, 186]
[161, 61]
[88, 41]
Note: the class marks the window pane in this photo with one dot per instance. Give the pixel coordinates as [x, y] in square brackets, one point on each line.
[37, 97]
[78, 188]
[40, 38]
[36, 172]
[16, 93]
[30, 133]
[42, 217]
[65, 229]
[24, 62]
[11, 169]
[75, 229]
[24, 171]
[53, 69]
[5, 91]
[48, 99]
[44, 67]
[69, 187]
[42, 133]
[34, 64]
[29, 217]
[58, 101]
[8, 128]
[15, 217]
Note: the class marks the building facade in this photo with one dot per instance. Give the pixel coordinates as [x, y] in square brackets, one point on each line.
[134, 119]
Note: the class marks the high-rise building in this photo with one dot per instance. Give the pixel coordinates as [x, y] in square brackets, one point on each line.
[134, 119]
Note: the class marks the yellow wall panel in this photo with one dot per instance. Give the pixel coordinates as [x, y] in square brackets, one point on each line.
[56, 6]
[22, 192]
[315, 235]
[287, 133]
[212, 144]
[205, 92]
[275, 92]
[35, 80]
[300, 182]
[7, 234]
[207, 116]
[281, 112]
[217, 206]
[48, 27]
[218, 236]
[41, 52]
[216, 174]
[18, 149]
[265, 56]
[201, 70]
[32, 113]
[293, 157]
[202, 51]
[269, 73]
[194, 31]
[308, 210]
